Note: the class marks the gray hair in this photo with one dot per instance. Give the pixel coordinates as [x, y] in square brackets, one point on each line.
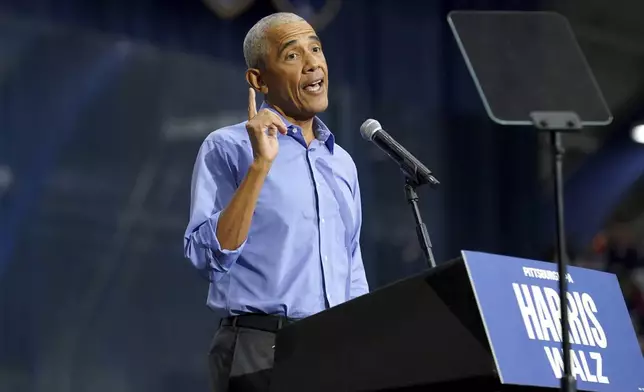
[255, 46]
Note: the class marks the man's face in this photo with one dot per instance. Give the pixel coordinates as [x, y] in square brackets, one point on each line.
[295, 70]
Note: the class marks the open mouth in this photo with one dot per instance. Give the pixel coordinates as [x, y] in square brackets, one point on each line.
[314, 86]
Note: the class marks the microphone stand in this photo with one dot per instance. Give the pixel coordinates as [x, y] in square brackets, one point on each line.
[421, 228]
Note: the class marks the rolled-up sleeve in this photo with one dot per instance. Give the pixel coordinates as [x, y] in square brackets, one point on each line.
[359, 284]
[212, 188]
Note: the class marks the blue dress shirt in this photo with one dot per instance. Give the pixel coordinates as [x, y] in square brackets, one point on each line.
[302, 254]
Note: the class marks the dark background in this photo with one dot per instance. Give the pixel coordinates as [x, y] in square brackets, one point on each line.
[103, 105]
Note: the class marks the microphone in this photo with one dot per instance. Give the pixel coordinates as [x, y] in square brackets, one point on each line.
[415, 171]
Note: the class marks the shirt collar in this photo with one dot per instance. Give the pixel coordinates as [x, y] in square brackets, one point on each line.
[321, 131]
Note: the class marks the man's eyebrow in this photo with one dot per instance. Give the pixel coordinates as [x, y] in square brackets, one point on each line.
[294, 41]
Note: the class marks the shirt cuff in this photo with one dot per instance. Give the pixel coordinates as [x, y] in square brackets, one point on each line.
[219, 259]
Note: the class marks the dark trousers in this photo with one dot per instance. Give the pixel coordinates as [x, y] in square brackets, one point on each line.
[241, 359]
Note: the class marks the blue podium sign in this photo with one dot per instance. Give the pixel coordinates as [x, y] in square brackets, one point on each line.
[519, 303]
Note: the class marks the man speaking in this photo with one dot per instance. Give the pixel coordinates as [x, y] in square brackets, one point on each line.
[275, 211]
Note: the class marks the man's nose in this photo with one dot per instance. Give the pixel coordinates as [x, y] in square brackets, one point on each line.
[312, 63]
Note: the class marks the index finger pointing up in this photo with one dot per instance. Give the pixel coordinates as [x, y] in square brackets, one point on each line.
[252, 108]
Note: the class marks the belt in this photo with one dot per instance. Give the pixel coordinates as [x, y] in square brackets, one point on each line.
[264, 322]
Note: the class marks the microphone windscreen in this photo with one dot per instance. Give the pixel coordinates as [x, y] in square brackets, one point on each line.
[369, 128]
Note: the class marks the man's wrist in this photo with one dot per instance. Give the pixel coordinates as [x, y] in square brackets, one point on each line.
[260, 166]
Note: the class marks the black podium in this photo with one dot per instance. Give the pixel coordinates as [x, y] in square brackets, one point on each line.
[424, 333]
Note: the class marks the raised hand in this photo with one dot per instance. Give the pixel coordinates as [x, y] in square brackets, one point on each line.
[262, 130]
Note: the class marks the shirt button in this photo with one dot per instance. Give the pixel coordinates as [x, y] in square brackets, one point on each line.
[322, 220]
[325, 258]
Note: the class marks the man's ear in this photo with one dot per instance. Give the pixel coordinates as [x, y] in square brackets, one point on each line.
[255, 80]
